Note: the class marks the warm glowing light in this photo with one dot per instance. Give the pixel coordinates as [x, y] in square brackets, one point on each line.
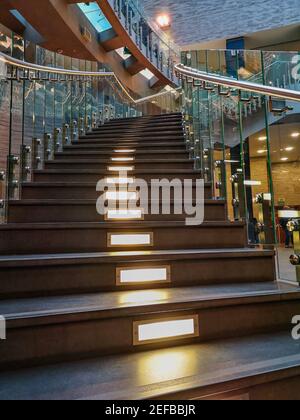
[154, 331]
[289, 214]
[121, 195]
[125, 151]
[164, 21]
[143, 239]
[143, 275]
[260, 152]
[289, 149]
[166, 365]
[122, 159]
[295, 135]
[121, 168]
[284, 159]
[124, 214]
[143, 296]
[120, 181]
[252, 183]
[262, 138]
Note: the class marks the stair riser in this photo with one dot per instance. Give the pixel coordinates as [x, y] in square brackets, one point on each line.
[68, 192]
[94, 177]
[151, 121]
[188, 164]
[75, 239]
[143, 127]
[65, 337]
[131, 139]
[108, 154]
[87, 213]
[45, 280]
[133, 133]
[142, 148]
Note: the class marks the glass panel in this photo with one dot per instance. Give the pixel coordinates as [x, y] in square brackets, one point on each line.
[95, 16]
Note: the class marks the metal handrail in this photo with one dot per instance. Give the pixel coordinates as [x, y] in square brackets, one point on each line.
[77, 73]
[242, 85]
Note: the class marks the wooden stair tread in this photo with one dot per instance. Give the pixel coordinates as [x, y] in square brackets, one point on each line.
[205, 367]
[141, 224]
[134, 172]
[103, 257]
[86, 202]
[129, 303]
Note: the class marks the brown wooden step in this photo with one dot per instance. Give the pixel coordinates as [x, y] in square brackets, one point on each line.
[40, 211]
[92, 139]
[158, 128]
[72, 190]
[43, 330]
[45, 238]
[105, 164]
[260, 367]
[139, 147]
[94, 175]
[44, 275]
[137, 154]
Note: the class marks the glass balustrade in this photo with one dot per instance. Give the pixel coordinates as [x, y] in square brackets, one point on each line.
[151, 40]
[43, 110]
[247, 145]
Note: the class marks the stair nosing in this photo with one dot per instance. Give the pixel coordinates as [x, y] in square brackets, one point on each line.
[132, 256]
[139, 309]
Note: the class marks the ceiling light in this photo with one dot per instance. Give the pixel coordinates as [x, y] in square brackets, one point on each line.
[260, 152]
[252, 183]
[263, 138]
[295, 135]
[164, 21]
[284, 159]
[289, 149]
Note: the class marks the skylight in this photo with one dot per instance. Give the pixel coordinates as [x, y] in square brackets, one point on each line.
[95, 16]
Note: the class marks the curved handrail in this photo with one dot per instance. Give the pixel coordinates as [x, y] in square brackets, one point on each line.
[242, 85]
[56, 70]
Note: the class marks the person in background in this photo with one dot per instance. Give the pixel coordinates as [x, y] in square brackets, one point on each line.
[283, 221]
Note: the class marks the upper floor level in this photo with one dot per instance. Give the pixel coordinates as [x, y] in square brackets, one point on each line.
[114, 33]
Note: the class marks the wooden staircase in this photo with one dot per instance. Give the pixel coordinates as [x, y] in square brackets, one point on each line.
[84, 297]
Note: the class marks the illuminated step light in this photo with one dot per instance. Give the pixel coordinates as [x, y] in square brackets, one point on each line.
[130, 239]
[125, 151]
[128, 276]
[120, 168]
[120, 181]
[121, 195]
[124, 214]
[122, 159]
[155, 331]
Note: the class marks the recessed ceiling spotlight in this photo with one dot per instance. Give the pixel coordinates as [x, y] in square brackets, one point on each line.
[164, 21]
